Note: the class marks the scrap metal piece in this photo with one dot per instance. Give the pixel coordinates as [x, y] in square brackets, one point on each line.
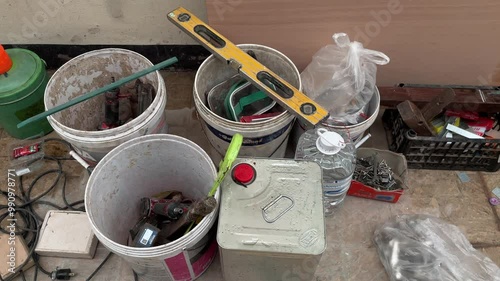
[437, 104]
[145, 95]
[198, 209]
[414, 119]
[379, 176]
[417, 119]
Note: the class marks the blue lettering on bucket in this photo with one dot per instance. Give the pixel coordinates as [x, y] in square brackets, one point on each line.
[251, 141]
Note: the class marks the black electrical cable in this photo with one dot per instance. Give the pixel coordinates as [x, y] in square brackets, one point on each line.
[31, 252]
[99, 267]
[38, 266]
[35, 276]
[30, 221]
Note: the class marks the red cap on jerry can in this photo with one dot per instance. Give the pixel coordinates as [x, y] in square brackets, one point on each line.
[5, 61]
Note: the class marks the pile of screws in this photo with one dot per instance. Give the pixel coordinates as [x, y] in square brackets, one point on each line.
[379, 176]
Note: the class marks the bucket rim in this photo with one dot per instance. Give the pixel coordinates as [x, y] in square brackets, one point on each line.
[97, 137]
[182, 243]
[114, 132]
[284, 116]
[368, 120]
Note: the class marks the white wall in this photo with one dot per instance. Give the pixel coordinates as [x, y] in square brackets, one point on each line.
[128, 22]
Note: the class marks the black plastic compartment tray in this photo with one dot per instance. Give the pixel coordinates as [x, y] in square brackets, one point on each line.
[441, 154]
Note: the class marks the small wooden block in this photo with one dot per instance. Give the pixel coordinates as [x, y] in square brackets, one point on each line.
[12, 259]
[413, 117]
[66, 234]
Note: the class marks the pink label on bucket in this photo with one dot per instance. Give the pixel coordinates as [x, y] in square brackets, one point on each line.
[205, 260]
[178, 267]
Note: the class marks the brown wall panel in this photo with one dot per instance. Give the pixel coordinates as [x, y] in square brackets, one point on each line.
[428, 41]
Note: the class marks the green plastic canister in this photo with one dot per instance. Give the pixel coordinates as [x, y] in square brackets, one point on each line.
[21, 94]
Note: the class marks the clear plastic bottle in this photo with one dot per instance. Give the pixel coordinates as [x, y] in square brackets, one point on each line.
[336, 155]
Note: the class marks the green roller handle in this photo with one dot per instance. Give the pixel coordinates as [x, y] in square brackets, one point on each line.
[100, 91]
[225, 165]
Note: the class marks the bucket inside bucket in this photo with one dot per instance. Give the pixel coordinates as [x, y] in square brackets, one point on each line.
[213, 72]
[89, 72]
[140, 168]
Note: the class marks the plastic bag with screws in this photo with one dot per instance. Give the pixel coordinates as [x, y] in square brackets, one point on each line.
[424, 248]
[342, 78]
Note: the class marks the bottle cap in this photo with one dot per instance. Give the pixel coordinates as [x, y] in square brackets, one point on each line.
[243, 173]
[5, 61]
[494, 201]
[329, 143]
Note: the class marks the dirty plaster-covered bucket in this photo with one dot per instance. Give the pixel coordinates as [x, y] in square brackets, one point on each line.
[353, 131]
[88, 72]
[263, 139]
[140, 168]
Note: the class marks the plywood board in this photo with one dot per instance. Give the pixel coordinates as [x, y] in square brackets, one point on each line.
[428, 41]
[14, 253]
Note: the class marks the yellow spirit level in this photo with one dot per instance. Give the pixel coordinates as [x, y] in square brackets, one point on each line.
[282, 92]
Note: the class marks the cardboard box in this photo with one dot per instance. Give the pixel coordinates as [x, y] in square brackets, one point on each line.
[360, 190]
[396, 161]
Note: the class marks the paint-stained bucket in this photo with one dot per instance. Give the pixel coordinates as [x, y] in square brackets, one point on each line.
[263, 139]
[90, 71]
[140, 168]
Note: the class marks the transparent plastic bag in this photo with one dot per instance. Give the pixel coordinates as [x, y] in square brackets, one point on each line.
[342, 77]
[424, 248]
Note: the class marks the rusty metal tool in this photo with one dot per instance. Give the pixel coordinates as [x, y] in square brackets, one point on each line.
[198, 209]
[418, 120]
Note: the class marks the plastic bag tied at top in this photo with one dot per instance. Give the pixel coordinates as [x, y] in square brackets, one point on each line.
[424, 248]
[342, 77]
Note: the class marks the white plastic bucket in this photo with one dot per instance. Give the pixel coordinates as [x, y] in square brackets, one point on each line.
[353, 131]
[140, 168]
[263, 139]
[90, 71]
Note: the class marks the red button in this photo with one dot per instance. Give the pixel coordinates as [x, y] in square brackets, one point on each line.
[243, 173]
